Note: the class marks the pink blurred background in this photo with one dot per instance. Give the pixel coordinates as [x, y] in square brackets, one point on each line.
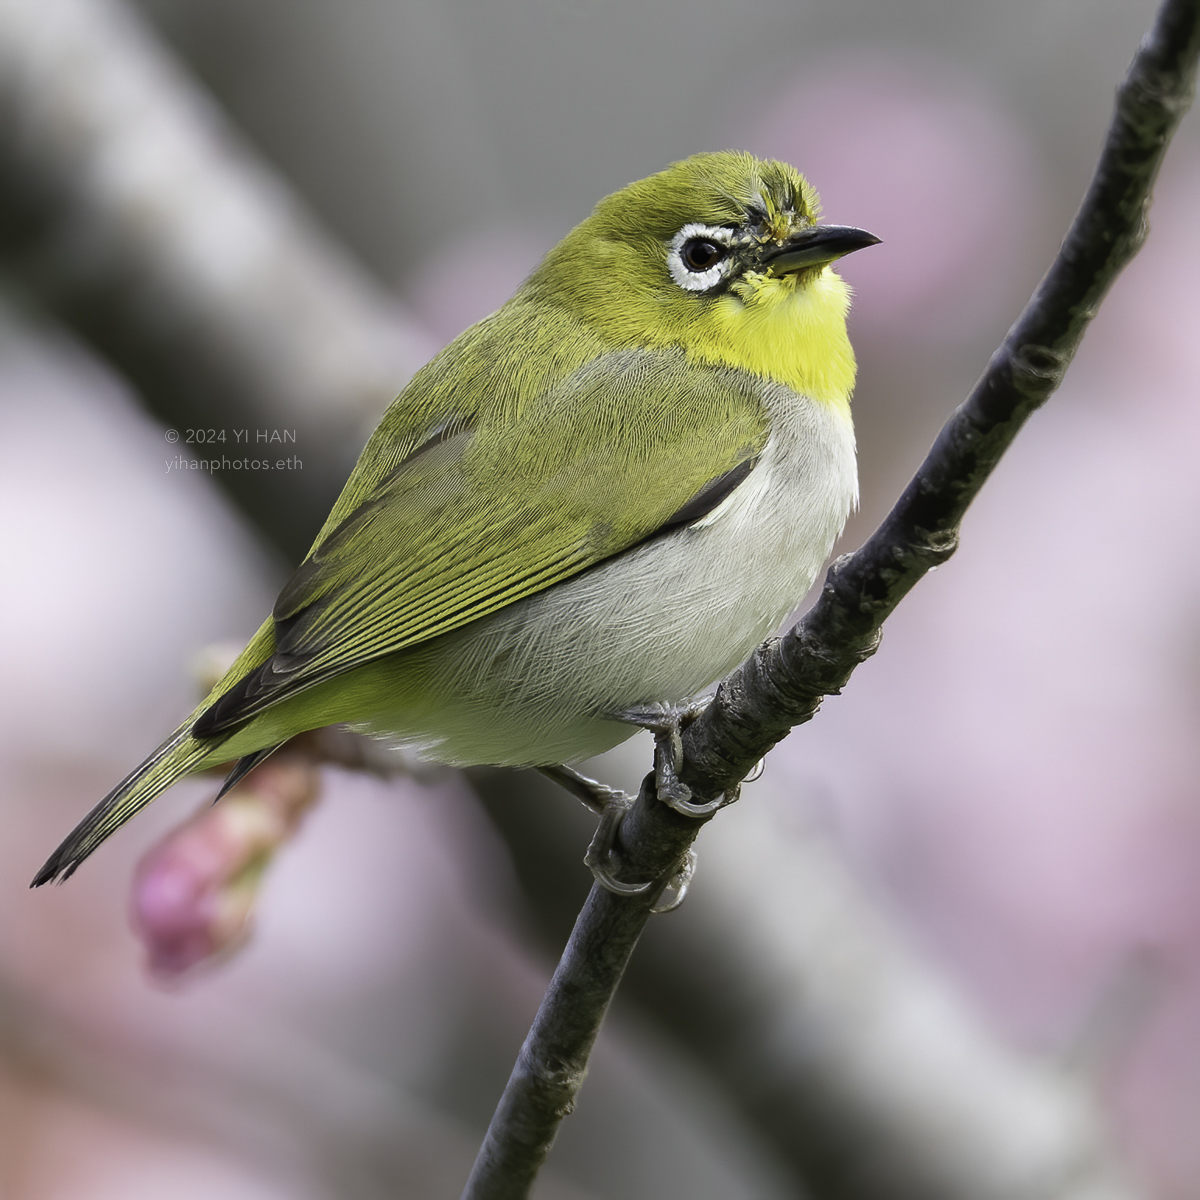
[1013, 776]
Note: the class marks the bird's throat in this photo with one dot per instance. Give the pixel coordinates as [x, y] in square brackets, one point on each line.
[793, 333]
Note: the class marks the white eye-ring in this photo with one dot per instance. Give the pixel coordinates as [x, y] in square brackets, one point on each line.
[699, 256]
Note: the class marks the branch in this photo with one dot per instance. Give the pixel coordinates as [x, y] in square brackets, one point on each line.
[132, 212]
[784, 682]
[256, 1091]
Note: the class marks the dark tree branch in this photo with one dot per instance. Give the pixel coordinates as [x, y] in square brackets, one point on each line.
[553, 1060]
[784, 682]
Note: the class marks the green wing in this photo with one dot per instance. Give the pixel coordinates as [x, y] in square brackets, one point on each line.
[473, 506]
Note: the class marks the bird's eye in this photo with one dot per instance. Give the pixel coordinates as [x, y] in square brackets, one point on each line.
[701, 254]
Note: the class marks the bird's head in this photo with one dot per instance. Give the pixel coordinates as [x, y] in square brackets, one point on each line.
[719, 254]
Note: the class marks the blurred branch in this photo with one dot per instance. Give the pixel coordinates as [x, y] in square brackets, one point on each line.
[255, 1090]
[908, 1094]
[784, 682]
[132, 212]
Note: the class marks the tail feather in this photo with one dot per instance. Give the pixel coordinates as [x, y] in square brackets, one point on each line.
[243, 767]
[179, 755]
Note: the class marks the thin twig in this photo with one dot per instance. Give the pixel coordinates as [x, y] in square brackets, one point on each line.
[813, 1015]
[783, 684]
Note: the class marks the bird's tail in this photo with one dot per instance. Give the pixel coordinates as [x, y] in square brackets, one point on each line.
[179, 755]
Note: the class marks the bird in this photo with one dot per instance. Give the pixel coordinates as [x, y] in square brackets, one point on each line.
[592, 504]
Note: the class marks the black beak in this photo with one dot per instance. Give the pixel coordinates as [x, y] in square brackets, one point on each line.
[817, 247]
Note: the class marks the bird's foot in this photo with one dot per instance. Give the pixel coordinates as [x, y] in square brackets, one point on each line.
[602, 858]
[611, 805]
[667, 722]
[604, 861]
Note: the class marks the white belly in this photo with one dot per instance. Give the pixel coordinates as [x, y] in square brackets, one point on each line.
[542, 681]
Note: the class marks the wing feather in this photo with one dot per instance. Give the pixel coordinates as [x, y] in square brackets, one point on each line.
[496, 504]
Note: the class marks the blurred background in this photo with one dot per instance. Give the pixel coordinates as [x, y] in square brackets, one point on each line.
[949, 945]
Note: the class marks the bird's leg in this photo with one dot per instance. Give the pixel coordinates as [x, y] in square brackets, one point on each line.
[667, 722]
[603, 860]
[611, 804]
[597, 796]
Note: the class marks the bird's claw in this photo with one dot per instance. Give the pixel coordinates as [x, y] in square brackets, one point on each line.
[678, 883]
[667, 723]
[601, 853]
[706, 810]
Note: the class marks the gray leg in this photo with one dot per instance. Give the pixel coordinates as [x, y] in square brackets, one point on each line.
[666, 722]
[597, 796]
[602, 858]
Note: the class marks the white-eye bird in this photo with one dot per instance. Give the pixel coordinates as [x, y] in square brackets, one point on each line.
[596, 500]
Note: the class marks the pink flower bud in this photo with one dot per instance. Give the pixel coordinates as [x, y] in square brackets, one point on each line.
[194, 892]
